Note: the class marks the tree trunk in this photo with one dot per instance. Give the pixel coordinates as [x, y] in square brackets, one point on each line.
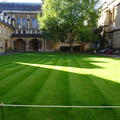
[71, 39]
[71, 46]
[44, 45]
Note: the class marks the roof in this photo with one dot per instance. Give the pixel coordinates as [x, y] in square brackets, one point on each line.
[20, 6]
[3, 22]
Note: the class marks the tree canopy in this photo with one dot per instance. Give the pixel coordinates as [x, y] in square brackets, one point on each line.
[69, 20]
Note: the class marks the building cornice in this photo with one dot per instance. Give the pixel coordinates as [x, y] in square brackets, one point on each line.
[20, 12]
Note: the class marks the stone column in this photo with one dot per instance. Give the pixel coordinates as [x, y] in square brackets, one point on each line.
[12, 44]
[27, 45]
[43, 41]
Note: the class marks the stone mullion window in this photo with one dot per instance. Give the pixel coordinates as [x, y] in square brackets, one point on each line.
[34, 23]
[24, 23]
[28, 23]
[19, 23]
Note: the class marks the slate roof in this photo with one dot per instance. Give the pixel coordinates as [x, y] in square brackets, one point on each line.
[20, 6]
[3, 22]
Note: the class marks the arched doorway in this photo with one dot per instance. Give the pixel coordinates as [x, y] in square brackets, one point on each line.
[36, 45]
[19, 45]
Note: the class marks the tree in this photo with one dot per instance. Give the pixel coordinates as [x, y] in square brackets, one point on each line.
[69, 21]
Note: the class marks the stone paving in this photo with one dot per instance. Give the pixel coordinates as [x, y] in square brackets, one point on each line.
[113, 56]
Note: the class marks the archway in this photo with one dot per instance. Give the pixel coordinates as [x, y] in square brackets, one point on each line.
[36, 45]
[19, 45]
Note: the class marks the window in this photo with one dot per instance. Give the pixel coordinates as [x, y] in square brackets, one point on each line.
[13, 21]
[33, 31]
[24, 31]
[24, 23]
[6, 19]
[2, 17]
[34, 23]
[19, 32]
[28, 23]
[18, 21]
[113, 15]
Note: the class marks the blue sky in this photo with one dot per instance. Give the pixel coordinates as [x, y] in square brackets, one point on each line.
[33, 1]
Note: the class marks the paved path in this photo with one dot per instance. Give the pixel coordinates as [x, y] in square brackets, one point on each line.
[113, 56]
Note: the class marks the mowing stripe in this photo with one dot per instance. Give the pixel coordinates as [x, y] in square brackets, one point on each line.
[16, 69]
[18, 73]
[42, 91]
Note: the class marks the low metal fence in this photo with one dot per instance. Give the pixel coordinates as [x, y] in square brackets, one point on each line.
[2, 106]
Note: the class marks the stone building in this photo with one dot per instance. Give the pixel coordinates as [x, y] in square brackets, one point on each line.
[5, 36]
[110, 21]
[22, 29]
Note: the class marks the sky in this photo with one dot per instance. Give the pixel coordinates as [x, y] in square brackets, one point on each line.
[104, 0]
[33, 1]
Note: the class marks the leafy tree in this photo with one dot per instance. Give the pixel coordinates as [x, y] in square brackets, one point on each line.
[69, 21]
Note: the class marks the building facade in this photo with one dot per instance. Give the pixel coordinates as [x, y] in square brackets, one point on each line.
[24, 34]
[110, 21]
[5, 36]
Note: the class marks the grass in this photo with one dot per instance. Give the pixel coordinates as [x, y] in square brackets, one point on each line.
[59, 79]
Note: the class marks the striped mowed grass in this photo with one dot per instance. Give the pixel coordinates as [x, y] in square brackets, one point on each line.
[59, 79]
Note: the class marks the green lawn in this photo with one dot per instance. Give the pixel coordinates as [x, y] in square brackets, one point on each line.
[59, 79]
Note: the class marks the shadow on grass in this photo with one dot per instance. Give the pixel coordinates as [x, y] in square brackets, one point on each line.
[64, 87]
[84, 61]
[77, 90]
[71, 89]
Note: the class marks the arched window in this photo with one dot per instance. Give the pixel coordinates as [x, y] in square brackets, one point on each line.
[6, 19]
[28, 23]
[34, 23]
[13, 22]
[24, 23]
[18, 21]
[2, 17]
[9, 20]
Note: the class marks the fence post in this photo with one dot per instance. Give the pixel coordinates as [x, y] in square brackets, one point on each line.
[2, 111]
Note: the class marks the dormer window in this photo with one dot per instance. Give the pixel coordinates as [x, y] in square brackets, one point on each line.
[13, 22]
[6, 19]
[2, 17]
